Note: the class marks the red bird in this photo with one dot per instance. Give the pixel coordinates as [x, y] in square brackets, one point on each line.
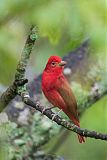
[58, 91]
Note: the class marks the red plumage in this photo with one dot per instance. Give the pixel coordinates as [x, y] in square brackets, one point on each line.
[58, 91]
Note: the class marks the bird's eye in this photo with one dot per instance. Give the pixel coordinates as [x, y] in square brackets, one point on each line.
[53, 63]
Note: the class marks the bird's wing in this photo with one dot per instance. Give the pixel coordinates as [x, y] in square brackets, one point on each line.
[64, 89]
[54, 98]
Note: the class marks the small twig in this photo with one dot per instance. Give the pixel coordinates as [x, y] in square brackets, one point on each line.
[60, 121]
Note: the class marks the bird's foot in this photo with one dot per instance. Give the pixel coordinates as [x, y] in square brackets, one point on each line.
[56, 114]
[49, 108]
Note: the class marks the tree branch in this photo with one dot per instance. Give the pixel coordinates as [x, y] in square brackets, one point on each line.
[20, 71]
[11, 92]
[60, 121]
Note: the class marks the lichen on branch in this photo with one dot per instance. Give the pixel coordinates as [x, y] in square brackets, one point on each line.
[19, 80]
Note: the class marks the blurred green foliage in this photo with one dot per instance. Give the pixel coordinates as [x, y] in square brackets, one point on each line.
[62, 26]
[64, 22]
[27, 140]
[4, 140]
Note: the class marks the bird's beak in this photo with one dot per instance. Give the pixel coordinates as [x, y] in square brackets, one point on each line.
[62, 63]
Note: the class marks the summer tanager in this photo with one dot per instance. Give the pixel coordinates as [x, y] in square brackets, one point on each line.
[58, 91]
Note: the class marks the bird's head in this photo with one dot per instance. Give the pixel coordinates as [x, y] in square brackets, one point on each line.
[55, 65]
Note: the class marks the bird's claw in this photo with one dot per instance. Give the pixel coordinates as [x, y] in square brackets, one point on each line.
[43, 110]
[49, 108]
[56, 114]
[53, 116]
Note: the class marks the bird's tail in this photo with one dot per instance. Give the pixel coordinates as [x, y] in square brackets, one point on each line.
[80, 138]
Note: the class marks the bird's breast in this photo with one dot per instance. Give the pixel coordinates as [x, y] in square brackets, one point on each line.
[48, 81]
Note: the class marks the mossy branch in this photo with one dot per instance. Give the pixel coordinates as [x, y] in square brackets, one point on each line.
[19, 81]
